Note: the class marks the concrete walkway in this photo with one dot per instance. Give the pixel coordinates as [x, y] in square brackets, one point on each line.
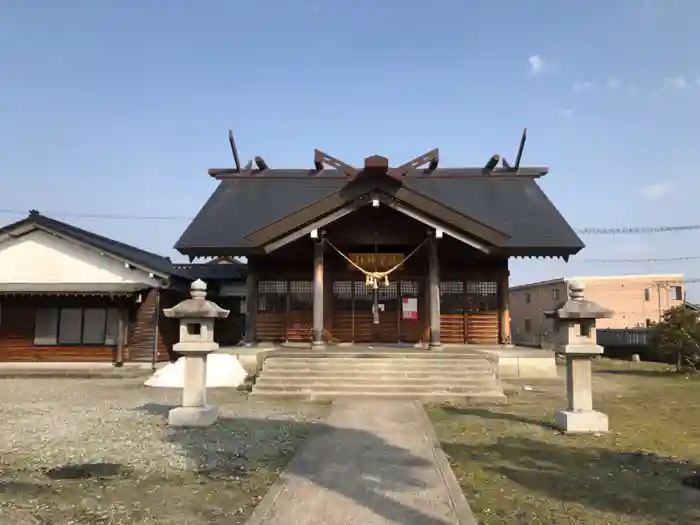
[371, 463]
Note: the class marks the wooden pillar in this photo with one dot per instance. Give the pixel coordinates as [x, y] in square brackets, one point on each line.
[317, 333]
[251, 304]
[434, 293]
[327, 301]
[121, 327]
[504, 307]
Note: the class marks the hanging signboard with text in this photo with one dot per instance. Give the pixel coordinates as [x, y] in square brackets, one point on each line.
[376, 262]
[409, 308]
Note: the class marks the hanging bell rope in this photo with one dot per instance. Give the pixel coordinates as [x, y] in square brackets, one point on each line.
[372, 279]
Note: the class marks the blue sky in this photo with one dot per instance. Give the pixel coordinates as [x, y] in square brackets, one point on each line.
[120, 107]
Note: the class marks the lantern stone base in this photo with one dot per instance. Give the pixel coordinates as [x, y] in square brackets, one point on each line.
[193, 416]
[581, 421]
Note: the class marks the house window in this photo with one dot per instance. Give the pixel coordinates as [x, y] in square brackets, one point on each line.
[527, 298]
[648, 323]
[677, 293]
[528, 326]
[76, 326]
[646, 294]
[555, 294]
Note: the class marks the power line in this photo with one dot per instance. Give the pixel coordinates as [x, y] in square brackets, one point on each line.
[639, 230]
[634, 230]
[102, 215]
[648, 260]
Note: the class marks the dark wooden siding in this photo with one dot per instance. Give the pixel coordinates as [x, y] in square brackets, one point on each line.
[150, 328]
[17, 315]
[229, 331]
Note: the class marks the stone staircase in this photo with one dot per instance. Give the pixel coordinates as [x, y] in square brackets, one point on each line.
[425, 376]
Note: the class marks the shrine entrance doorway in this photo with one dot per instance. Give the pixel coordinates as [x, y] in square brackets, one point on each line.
[398, 317]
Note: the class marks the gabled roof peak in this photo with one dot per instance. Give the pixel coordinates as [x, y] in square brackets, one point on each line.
[136, 256]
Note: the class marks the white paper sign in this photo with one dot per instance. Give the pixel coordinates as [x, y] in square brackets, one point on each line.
[410, 308]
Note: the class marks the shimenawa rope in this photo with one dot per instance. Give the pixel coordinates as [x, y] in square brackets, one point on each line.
[372, 278]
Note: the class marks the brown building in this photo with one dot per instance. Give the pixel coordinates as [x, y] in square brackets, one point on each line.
[68, 294]
[637, 301]
[414, 254]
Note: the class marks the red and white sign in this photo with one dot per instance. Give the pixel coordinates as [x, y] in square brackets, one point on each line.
[409, 308]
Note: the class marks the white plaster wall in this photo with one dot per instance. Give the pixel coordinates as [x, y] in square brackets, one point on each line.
[39, 257]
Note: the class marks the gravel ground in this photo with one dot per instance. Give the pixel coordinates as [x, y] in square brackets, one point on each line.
[98, 451]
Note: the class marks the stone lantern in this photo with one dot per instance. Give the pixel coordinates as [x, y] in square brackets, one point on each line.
[197, 316]
[576, 339]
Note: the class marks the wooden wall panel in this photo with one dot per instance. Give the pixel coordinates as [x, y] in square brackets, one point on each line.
[482, 328]
[229, 331]
[299, 326]
[388, 329]
[17, 332]
[452, 328]
[342, 326]
[270, 327]
[142, 335]
[364, 327]
[410, 330]
[168, 329]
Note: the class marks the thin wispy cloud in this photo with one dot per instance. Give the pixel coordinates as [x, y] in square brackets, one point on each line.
[654, 192]
[580, 87]
[537, 64]
[613, 83]
[677, 82]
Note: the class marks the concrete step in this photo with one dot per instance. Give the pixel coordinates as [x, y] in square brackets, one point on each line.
[375, 358]
[380, 375]
[331, 381]
[321, 364]
[376, 388]
[428, 377]
[313, 354]
[489, 397]
[378, 372]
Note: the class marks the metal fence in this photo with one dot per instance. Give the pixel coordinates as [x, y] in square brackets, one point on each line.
[622, 337]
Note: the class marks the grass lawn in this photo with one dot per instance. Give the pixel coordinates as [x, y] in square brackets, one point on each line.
[515, 468]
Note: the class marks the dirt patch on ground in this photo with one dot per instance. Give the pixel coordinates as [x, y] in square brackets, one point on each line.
[98, 451]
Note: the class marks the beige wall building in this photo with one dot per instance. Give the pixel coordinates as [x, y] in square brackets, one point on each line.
[637, 300]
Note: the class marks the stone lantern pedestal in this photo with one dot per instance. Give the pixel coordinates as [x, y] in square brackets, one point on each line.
[197, 316]
[575, 323]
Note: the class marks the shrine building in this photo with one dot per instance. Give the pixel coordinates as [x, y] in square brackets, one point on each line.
[413, 254]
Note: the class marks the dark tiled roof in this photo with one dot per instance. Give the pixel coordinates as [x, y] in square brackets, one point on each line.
[71, 288]
[238, 207]
[514, 205]
[137, 256]
[234, 271]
